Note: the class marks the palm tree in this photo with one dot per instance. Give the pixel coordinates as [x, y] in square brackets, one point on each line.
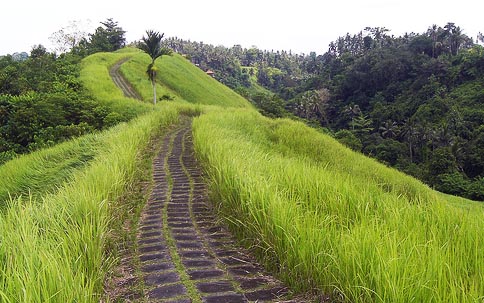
[151, 44]
[361, 124]
[389, 129]
[433, 31]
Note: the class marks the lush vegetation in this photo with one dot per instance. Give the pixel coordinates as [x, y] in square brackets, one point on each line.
[178, 79]
[237, 67]
[106, 38]
[151, 45]
[42, 102]
[320, 215]
[53, 248]
[96, 79]
[131, 71]
[335, 220]
[59, 206]
[46, 99]
[43, 171]
[414, 102]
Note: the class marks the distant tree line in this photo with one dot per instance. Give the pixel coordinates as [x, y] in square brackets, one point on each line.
[43, 102]
[415, 102]
[279, 71]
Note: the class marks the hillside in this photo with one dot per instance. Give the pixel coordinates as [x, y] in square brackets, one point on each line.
[343, 223]
[321, 216]
[359, 195]
[180, 80]
[413, 101]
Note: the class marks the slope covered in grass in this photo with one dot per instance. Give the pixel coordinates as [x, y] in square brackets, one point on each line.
[53, 249]
[53, 243]
[321, 215]
[177, 78]
[95, 77]
[45, 170]
[325, 217]
[134, 70]
[181, 79]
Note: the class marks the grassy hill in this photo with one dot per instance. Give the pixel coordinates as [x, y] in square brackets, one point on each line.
[181, 80]
[60, 207]
[321, 216]
[95, 77]
[54, 244]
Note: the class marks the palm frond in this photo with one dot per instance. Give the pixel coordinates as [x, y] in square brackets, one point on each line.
[151, 44]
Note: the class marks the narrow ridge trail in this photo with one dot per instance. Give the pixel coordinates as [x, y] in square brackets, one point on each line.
[121, 82]
[184, 255]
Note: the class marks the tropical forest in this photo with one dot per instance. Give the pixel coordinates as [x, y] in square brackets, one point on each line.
[412, 102]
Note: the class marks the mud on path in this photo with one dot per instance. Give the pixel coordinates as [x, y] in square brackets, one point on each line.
[184, 255]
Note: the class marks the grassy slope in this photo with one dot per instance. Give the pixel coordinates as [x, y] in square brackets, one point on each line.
[54, 251]
[335, 220]
[134, 71]
[52, 244]
[45, 170]
[180, 78]
[41, 172]
[96, 79]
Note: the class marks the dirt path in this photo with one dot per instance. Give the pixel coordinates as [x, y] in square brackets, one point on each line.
[185, 256]
[121, 82]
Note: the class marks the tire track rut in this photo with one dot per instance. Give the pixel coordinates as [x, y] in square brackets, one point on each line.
[185, 256]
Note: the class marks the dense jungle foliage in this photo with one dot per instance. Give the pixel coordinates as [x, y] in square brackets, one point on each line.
[42, 100]
[415, 102]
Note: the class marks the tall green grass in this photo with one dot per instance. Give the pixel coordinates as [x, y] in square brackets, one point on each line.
[45, 170]
[95, 77]
[134, 70]
[327, 218]
[176, 78]
[53, 250]
[191, 83]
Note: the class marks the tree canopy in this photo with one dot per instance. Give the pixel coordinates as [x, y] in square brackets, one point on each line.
[43, 102]
[410, 101]
[107, 38]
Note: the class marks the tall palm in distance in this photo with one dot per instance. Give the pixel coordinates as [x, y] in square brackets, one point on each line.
[151, 44]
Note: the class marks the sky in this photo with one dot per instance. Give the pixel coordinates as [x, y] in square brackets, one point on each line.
[301, 26]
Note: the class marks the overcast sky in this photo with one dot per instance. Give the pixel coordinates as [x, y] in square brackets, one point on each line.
[301, 26]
